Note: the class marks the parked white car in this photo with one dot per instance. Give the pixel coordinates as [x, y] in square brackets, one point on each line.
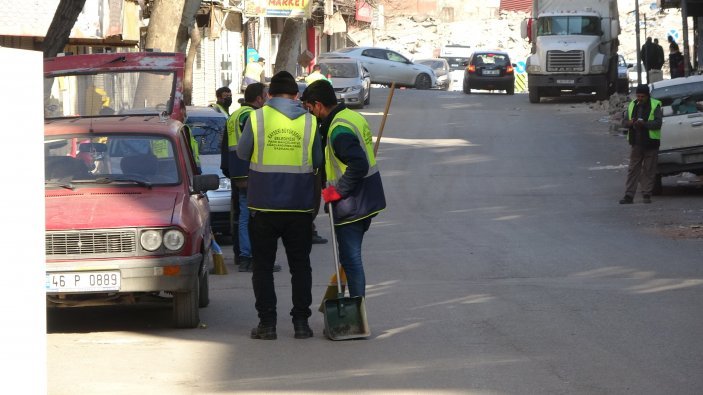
[681, 148]
[387, 66]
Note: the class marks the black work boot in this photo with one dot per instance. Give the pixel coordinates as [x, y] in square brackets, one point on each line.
[317, 239]
[302, 329]
[264, 332]
[626, 200]
[244, 264]
[646, 199]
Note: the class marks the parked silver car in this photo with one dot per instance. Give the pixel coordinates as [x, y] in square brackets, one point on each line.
[681, 148]
[351, 81]
[386, 67]
[207, 126]
[441, 70]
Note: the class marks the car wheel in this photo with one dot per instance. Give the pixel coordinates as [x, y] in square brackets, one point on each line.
[204, 298]
[367, 101]
[423, 81]
[466, 87]
[534, 95]
[186, 310]
[510, 90]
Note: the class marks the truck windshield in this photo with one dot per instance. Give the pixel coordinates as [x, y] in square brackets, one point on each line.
[112, 93]
[563, 25]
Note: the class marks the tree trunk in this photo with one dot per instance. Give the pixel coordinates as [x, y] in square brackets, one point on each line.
[190, 58]
[190, 8]
[162, 31]
[289, 47]
[60, 29]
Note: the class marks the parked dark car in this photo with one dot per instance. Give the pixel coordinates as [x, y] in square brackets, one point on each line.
[489, 70]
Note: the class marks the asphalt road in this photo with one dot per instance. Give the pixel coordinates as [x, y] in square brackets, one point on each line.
[503, 265]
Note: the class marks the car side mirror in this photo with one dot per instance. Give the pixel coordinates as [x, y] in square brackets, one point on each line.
[630, 65]
[206, 182]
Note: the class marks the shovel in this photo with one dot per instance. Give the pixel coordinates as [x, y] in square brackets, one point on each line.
[345, 317]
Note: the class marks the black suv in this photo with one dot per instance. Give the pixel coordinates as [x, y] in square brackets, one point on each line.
[489, 70]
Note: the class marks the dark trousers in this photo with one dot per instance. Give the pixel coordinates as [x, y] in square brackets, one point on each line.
[295, 229]
[642, 169]
[234, 220]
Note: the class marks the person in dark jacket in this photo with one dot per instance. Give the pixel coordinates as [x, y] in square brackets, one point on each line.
[283, 150]
[659, 59]
[643, 120]
[354, 190]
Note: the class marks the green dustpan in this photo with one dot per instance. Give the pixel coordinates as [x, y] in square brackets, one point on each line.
[345, 317]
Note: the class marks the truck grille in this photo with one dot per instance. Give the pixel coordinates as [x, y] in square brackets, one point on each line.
[90, 243]
[565, 61]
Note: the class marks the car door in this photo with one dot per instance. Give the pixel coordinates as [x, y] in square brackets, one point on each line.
[400, 68]
[375, 61]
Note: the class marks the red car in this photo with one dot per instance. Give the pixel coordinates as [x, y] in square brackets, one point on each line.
[127, 218]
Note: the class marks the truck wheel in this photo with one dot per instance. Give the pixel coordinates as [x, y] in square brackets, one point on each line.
[186, 310]
[534, 95]
[658, 188]
[602, 93]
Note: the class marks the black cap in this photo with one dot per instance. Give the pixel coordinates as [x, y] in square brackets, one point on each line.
[642, 88]
[283, 82]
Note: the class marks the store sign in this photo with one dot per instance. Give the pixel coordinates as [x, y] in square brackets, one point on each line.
[364, 12]
[278, 8]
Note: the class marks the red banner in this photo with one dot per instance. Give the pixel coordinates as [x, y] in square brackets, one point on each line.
[364, 12]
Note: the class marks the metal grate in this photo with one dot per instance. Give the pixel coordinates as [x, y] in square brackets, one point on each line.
[565, 61]
[91, 243]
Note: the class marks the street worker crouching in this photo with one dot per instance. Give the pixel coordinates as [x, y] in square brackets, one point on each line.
[284, 151]
[354, 186]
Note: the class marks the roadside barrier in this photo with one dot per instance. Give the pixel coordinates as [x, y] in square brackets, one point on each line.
[520, 82]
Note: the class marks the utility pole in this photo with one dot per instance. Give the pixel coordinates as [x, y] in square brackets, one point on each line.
[637, 42]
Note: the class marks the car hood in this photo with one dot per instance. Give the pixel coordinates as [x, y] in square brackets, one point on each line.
[93, 209]
[338, 82]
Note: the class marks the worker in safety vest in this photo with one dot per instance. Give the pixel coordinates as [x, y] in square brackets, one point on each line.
[315, 75]
[284, 151]
[643, 121]
[238, 170]
[161, 148]
[254, 72]
[354, 189]
[224, 100]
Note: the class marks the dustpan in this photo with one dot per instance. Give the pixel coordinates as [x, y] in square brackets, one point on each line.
[345, 317]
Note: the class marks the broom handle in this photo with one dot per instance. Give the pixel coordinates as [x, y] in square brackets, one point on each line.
[383, 121]
[334, 249]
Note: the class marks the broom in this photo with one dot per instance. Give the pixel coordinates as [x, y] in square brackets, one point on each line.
[331, 291]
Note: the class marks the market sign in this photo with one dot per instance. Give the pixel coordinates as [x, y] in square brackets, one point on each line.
[278, 8]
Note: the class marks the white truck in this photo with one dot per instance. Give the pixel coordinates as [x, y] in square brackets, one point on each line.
[574, 48]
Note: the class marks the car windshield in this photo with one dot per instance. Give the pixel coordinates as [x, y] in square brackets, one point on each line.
[208, 133]
[109, 93]
[340, 70]
[680, 99]
[109, 159]
[485, 59]
[563, 25]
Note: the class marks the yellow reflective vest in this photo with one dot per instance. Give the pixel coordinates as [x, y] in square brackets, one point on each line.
[368, 198]
[654, 134]
[238, 168]
[281, 174]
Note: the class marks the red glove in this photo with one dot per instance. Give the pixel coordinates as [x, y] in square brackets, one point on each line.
[330, 194]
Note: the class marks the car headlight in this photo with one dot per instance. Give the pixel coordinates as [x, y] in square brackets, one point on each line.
[225, 184]
[533, 69]
[174, 239]
[598, 68]
[352, 88]
[151, 240]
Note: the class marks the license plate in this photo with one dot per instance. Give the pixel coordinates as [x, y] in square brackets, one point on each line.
[83, 281]
[491, 72]
[570, 82]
